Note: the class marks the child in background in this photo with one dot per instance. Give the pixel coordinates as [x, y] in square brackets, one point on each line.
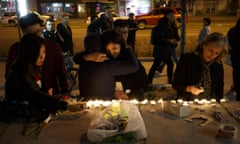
[205, 31]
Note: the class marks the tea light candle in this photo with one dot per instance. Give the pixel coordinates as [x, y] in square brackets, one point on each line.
[190, 102]
[180, 101]
[134, 101]
[196, 100]
[173, 101]
[96, 103]
[208, 102]
[222, 100]
[213, 100]
[153, 102]
[106, 103]
[89, 104]
[144, 102]
[185, 103]
[204, 101]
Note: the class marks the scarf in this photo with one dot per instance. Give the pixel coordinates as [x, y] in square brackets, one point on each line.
[205, 81]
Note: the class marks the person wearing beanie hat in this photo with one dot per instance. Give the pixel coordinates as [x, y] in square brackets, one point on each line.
[29, 19]
[53, 71]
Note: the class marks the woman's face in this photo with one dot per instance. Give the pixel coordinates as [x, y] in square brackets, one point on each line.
[113, 49]
[211, 52]
[41, 56]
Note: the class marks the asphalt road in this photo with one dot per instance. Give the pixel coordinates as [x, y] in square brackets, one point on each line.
[9, 35]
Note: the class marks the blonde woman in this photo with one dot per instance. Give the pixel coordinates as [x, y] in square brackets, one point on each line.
[200, 74]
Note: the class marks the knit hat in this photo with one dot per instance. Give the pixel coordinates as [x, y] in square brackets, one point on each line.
[29, 19]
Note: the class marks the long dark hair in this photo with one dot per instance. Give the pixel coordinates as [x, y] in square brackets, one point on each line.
[27, 54]
[112, 36]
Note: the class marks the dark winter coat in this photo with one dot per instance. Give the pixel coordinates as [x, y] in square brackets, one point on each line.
[160, 36]
[21, 87]
[66, 35]
[97, 80]
[54, 70]
[188, 72]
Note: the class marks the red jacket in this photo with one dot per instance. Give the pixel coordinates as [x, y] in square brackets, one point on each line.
[54, 72]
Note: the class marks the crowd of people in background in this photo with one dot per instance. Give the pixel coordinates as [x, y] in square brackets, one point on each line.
[108, 66]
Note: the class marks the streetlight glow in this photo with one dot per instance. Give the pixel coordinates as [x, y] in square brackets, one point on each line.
[22, 7]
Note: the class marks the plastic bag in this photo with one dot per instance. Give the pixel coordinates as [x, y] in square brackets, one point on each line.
[127, 111]
[101, 129]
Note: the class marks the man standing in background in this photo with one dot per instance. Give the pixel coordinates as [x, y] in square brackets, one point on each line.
[132, 31]
[65, 33]
[103, 23]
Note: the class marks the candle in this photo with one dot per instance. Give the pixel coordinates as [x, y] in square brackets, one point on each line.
[196, 100]
[208, 102]
[204, 101]
[190, 102]
[160, 100]
[96, 103]
[106, 103]
[173, 101]
[89, 104]
[213, 100]
[222, 100]
[144, 102]
[180, 101]
[185, 103]
[200, 102]
[134, 101]
[152, 102]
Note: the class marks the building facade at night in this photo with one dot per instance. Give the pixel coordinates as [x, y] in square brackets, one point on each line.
[85, 8]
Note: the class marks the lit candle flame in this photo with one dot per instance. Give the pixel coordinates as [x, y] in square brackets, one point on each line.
[185, 103]
[173, 101]
[190, 102]
[160, 100]
[180, 101]
[196, 100]
[152, 102]
[144, 101]
[134, 101]
[222, 100]
[213, 100]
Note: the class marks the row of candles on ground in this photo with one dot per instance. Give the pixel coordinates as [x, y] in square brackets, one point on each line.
[103, 103]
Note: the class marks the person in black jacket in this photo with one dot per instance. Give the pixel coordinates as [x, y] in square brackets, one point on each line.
[105, 22]
[163, 38]
[200, 74]
[97, 77]
[233, 37]
[132, 29]
[134, 84]
[24, 81]
[50, 33]
[65, 33]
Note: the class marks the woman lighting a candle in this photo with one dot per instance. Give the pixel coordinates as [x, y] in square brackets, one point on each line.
[200, 74]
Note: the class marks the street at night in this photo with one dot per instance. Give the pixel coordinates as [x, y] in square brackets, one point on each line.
[222, 24]
[179, 83]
